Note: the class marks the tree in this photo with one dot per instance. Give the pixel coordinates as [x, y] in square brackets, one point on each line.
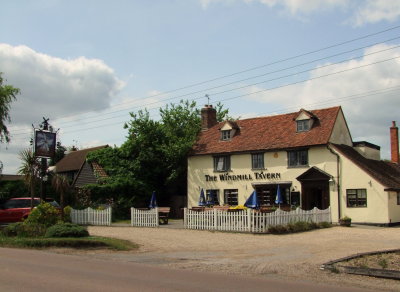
[154, 156]
[30, 169]
[60, 184]
[7, 95]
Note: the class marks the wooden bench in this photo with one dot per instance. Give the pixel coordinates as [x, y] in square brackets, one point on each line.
[163, 214]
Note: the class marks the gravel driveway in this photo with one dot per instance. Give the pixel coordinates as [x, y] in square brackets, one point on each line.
[293, 256]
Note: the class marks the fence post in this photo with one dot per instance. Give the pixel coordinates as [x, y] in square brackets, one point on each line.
[215, 225]
[184, 218]
[157, 217]
[249, 220]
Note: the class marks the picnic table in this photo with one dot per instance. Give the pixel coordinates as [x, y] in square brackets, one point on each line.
[163, 214]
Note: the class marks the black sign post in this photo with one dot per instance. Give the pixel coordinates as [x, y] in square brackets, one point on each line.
[45, 147]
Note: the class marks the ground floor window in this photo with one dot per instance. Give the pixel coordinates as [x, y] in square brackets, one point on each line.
[231, 197]
[212, 197]
[398, 198]
[356, 197]
[266, 194]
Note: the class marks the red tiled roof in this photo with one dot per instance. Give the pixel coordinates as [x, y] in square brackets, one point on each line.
[98, 170]
[268, 133]
[74, 160]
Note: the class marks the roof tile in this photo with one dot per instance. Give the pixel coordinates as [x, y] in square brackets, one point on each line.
[268, 133]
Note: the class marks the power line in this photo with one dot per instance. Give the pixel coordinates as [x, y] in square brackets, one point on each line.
[261, 82]
[263, 90]
[244, 71]
[310, 79]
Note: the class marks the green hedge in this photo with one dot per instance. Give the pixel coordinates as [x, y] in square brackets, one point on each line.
[66, 230]
[299, 226]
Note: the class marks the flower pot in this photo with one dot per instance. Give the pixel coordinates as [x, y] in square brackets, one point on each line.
[345, 222]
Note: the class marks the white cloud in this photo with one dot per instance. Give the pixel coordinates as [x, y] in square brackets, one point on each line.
[363, 12]
[369, 117]
[296, 7]
[55, 87]
[377, 10]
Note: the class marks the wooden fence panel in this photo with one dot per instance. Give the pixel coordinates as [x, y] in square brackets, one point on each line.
[144, 218]
[250, 220]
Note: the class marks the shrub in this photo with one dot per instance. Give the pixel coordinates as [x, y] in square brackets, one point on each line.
[44, 214]
[67, 214]
[298, 226]
[324, 225]
[24, 230]
[278, 229]
[66, 230]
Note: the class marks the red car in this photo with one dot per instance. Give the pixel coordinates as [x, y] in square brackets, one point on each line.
[16, 209]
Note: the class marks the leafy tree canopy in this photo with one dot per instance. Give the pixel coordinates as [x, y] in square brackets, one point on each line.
[154, 156]
[7, 95]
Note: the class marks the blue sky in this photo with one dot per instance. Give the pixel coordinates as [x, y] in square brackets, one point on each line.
[87, 64]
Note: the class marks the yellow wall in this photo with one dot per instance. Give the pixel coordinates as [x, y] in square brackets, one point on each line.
[377, 199]
[274, 162]
[394, 209]
[381, 206]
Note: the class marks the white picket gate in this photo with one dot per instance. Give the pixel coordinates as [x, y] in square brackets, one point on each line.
[250, 220]
[91, 216]
[144, 218]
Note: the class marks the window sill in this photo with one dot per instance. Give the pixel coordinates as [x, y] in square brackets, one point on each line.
[299, 166]
[357, 206]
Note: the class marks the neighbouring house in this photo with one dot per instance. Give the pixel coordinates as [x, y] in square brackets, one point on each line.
[308, 155]
[78, 170]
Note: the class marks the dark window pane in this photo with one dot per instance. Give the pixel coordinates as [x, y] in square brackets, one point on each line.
[231, 197]
[356, 197]
[257, 160]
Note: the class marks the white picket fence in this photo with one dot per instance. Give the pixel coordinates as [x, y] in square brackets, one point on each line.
[91, 216]
[250, 220]
[144, 218]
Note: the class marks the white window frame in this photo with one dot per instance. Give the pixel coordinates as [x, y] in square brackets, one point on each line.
[225, 135]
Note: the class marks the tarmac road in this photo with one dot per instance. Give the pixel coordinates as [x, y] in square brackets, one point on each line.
[33, 270]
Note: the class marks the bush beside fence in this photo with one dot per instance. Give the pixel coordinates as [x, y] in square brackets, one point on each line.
[91, 216]
[250, 220]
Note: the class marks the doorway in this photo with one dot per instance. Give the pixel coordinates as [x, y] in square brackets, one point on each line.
[314, 189]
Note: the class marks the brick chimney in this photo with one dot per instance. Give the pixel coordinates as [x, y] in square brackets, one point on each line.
[208, 117]
[394, 143]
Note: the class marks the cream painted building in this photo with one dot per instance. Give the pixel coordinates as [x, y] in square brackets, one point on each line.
[310, 155]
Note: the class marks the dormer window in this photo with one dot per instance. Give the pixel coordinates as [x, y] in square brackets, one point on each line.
[228, 130]
[303, 125]
[305, 120]
[226, 135]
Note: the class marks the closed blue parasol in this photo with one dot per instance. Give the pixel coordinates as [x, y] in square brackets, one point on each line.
[278, 198]
[252, 201]
[202, 200]
[153, 201]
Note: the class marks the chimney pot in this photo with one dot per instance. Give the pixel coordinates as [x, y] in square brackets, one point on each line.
[208, 117]
[394, 143]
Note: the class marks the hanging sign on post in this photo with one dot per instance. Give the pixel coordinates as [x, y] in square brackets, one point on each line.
[45, 143]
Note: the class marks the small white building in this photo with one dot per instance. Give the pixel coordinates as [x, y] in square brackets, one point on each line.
[310, 155]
